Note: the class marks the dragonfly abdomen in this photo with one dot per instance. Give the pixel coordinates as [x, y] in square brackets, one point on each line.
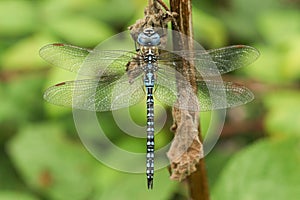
[149, 84]
[150, 137]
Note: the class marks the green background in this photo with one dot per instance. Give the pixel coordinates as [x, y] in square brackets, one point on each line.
[41, 156]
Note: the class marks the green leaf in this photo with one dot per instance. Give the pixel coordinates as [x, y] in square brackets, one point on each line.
[11, 195]
[17, 17]
[25, 53]
[21, 100]
[51, 164]
[215, 162]
[242, 17]
[57, 9]
[275, 34]
[8, 174]
[117, 13]
[266, 170]
[277, 64]
[267, 67]
[291, 62]
[82, 31]
[205, 121]
[284, 113]
[208, 30]
[134, 186]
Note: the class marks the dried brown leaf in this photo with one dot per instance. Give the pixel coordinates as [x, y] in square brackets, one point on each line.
[186, 149]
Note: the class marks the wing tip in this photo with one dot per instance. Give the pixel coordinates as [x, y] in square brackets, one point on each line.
[46, 47]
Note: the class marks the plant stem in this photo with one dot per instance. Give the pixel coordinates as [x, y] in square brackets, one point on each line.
[197, 181]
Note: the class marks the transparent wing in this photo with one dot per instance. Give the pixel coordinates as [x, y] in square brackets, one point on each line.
[108, 93]
[211, 95]
[209, 62]
[94, 62]
[167, 90]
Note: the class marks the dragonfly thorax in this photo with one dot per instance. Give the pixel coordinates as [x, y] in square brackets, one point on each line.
[149, 54]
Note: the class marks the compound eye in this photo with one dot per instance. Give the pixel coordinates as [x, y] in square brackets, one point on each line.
[147, 39]
[155, 39]
[143, 39]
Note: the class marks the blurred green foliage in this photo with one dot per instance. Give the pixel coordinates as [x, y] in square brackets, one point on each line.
[41, 156]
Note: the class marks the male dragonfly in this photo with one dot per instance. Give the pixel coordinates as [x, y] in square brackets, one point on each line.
[123, 78]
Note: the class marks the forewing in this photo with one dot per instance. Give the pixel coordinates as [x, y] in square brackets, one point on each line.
[85, 61]
[213, 62]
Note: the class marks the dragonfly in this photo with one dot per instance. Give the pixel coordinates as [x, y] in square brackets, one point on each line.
[123, 78]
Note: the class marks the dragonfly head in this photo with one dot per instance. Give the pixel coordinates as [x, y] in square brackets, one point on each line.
[148, 38]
